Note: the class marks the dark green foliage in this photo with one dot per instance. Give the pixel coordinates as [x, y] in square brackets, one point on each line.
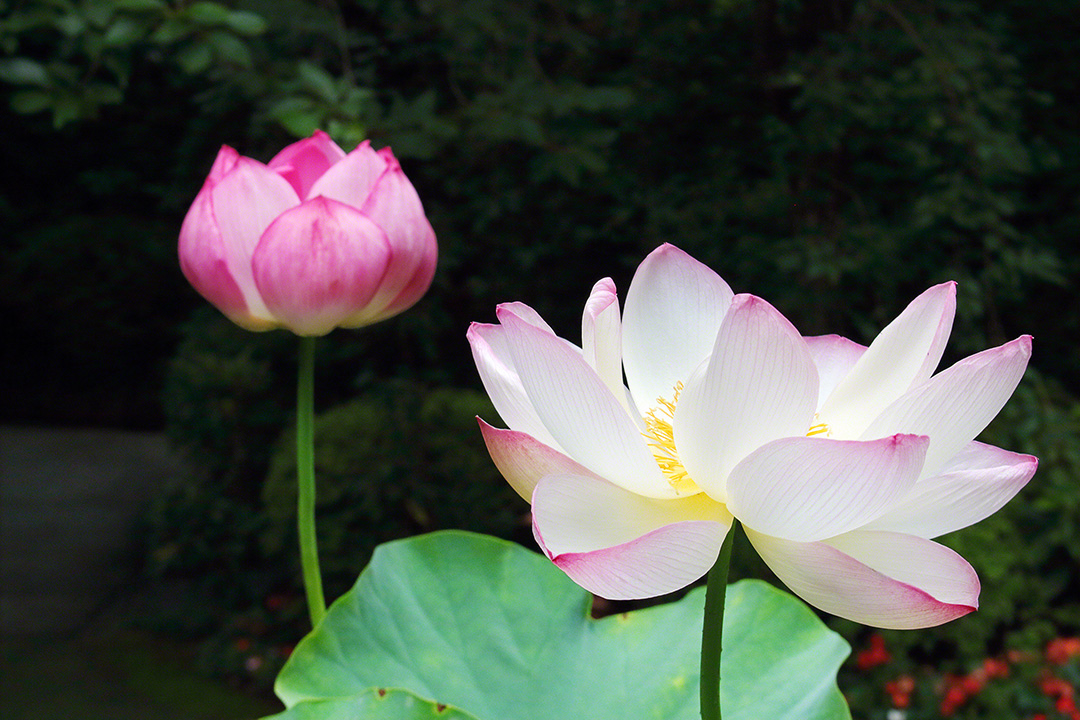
[90, 318]
[398, 461]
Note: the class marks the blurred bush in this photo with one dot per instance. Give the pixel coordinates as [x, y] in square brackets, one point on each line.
[400, 458]
[398, 461]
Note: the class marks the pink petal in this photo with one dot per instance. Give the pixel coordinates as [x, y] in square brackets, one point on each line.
[223, 163]
[304, 162]
[806, 489]
[395, 207]
[673, 311]
[203, 260]
[955, 405]
[882, 579]
[244, 202]
[903, 355]
[502, 383]
[759, 385]
[523, 460]
[834, 356]
[351, 179]
[416, 288]
[973, 485]
[579, 411]
[601, 338]
[319, 263]
[620, 545]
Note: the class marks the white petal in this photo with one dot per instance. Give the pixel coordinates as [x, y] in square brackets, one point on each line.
[808, 489]
[673, 311]
[903, 355]
[834, 356]
[526, 313]
[759, 385]
[956, 404]
[579, 411]
[973, 485]
[496, 367]
[882, 579]
[601, 338]
[620, 545]
[523, 460]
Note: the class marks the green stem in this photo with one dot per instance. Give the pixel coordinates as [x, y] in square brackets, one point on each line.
[305, 476]
[712, 630]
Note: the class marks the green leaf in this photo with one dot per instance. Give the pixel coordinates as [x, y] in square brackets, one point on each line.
[372, 704]
[317, 81]
[230, 49]
[246, 23]
[171, 30]
[298, 116]
[489, 627]
[123, 32]
[139, 5]
[208, 13]
[23, 71]
[195, 58]
[28, 102]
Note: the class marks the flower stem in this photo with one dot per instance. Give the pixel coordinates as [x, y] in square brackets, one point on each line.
[305, 476]
[712, 630]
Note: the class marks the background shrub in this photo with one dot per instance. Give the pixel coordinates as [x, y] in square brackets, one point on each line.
[401, 460]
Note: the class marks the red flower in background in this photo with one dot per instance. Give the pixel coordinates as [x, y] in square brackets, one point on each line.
[876, 654]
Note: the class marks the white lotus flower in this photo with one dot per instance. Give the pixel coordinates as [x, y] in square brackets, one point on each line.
[841, 462]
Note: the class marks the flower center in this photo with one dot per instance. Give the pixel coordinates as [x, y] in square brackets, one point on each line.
[660, 434]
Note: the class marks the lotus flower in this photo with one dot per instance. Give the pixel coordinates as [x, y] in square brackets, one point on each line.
[841, 461]
[314, 240]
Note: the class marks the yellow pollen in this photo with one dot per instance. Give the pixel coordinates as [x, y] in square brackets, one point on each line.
[661, 436]
[822, 429]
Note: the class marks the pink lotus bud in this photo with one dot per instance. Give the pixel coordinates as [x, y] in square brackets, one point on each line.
[313, 240]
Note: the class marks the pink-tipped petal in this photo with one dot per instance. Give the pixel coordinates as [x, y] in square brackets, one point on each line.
[902, 356]
[526, 313]
[414, 290]
[806, 489]
[586, 420]
[973, 485]
[319, 263]
[523, 460]
[882, 579]
[955, 405]
[305, 161]
[352, 178]
[223, 163]
[495, 364]
[204, 262]
[245, 201]
[673, 311]
[759, 385]
[601, 337]
[395, 207]
[620, 545]
[834, 356]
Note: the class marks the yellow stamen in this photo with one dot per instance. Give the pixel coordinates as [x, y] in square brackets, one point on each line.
[661, 436]
[822, 429]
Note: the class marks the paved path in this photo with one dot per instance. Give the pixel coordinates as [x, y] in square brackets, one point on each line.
[69, 500]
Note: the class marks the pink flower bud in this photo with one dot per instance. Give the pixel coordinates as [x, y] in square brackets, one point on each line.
[313, 240]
